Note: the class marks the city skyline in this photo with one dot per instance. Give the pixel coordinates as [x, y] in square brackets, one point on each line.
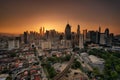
[19, 16]
[59, 40]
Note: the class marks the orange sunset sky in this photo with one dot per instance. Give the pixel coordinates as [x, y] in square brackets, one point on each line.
[17, 16]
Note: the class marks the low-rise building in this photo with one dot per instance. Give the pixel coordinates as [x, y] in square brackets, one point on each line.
[93, 61]
[13, 44]
[46, 45]
[3, 76]
[97, 62]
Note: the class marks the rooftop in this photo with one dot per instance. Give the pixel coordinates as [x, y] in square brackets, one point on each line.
[96, 60]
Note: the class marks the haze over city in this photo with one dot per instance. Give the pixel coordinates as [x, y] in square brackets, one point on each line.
[18, 16]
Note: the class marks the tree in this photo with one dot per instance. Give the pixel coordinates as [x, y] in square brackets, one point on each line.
[112, 61]
[13, 55]
[76, 64]
[51, 71]
[67, 57]
[114, 74]
[96, 71]
[9, 77]
[117, 67]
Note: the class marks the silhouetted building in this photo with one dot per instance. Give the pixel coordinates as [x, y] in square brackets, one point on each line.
[84, 35]
[78, 34]
[99, 29]
[92, 36]
[68, 32]
[18, 38]
[47, 34]
[73, 39]
[42, 31]
[78, 31]
[98, 36]
[107, 38]
[116, 40]
[52, 34]
[107, 32]
[81, 44]
[102, 39]
[26, 37]
[61, 36]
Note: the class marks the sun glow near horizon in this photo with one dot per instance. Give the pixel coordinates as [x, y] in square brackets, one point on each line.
[59, 26]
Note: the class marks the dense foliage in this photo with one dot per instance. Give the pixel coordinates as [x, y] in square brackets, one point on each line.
[47, 64]
[112, 63]
[76, 64]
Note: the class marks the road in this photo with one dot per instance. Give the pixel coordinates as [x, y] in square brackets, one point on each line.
[60, 75]
[84, 64]
[44, 77]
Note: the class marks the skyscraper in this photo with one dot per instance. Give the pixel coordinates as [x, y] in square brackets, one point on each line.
[78, 34]
[42, 31]
[98, 35]
[68, 32]
[84, 35]
[99, 29]
[26, 37]
[78, 30]
[107, 37]
[102, 39]
[92, 36]
[107, 32]
[81, 41]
